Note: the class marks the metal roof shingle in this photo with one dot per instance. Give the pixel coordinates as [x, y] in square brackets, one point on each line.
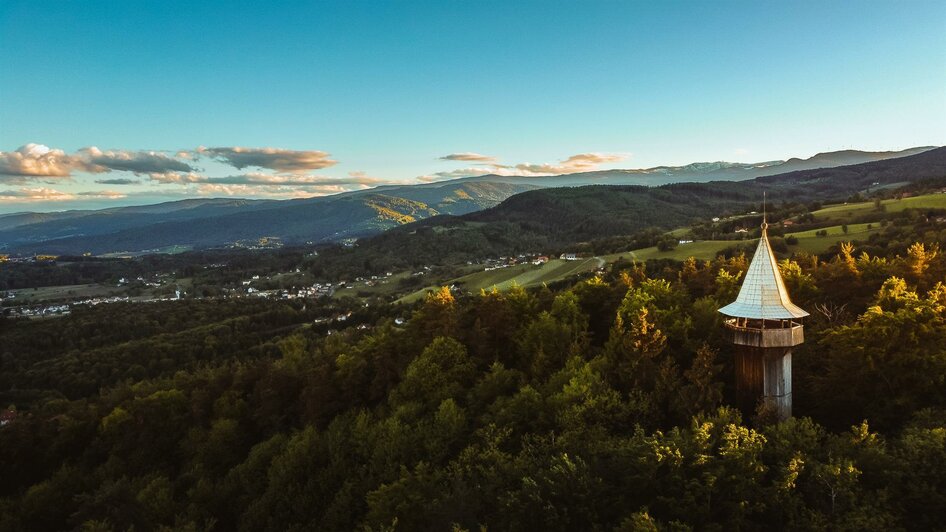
[763, 294]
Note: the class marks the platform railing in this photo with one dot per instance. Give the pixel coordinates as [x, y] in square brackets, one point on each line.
[782, 333]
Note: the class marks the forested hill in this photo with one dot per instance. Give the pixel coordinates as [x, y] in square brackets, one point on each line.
[547, 219]
[927, 166]
[575, 214]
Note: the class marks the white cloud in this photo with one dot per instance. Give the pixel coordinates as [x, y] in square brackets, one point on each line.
[137, 162]
[268, 191]
[104, 194]
[27, 195]
[468, 156]
[276, 159]
[36, 160]
[33, 194]
[583, 162]
[468, 172]
[353, 181]
[180, 178]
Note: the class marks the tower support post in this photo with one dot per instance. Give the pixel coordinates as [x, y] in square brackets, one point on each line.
[763, 363]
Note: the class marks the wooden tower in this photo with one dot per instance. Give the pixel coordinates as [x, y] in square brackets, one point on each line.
[763, 327]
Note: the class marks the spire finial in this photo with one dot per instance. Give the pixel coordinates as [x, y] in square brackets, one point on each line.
[765, 223]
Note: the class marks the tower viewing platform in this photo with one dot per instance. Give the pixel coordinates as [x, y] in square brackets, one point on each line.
[780, 333]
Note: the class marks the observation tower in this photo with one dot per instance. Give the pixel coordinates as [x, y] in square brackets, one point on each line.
[764, 325]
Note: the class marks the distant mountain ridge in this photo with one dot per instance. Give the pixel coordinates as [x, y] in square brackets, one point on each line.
[12, 220]
[703, 172]
[221, 221]
[215, 222]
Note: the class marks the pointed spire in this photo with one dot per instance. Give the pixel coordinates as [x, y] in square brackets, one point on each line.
[765, 222]
[763, 294]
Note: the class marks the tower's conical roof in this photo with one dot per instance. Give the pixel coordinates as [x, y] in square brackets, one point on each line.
[763, 294]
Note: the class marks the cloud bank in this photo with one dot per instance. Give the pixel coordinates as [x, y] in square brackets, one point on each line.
[249, 179]
[270, 185]
[40, 162]
[28, 195]
[267, 172]
[582, 162]
[289, 175]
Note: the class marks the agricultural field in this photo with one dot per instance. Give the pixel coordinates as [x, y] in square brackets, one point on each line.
[521, 274]
[703, 249]
[381, 287]
[851, 210]
[530, 275]
[168, 250]
[54, 293]
[812, 243]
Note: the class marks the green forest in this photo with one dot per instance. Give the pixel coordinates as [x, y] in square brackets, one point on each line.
[598, 406]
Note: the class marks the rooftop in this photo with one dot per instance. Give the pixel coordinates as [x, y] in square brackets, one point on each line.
[763, 295]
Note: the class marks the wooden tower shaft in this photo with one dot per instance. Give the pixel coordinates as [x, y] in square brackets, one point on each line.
[766, 374]
[763, 363]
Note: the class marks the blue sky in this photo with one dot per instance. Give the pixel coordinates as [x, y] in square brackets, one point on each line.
[355, 94]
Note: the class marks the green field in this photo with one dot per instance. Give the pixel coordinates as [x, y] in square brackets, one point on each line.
[384, 286]
[703, 249]
[808, 241]
[530, 275]
[53, 293]
[812, 243]
[836, 230]
[168, 250]
[847, 211]
[521, 274]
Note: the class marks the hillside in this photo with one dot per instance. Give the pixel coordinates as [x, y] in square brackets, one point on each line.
[550, 219]
[91, 218]
[927, 166]
[219, 222]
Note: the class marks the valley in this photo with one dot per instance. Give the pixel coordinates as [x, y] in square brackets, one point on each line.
[488, 273]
